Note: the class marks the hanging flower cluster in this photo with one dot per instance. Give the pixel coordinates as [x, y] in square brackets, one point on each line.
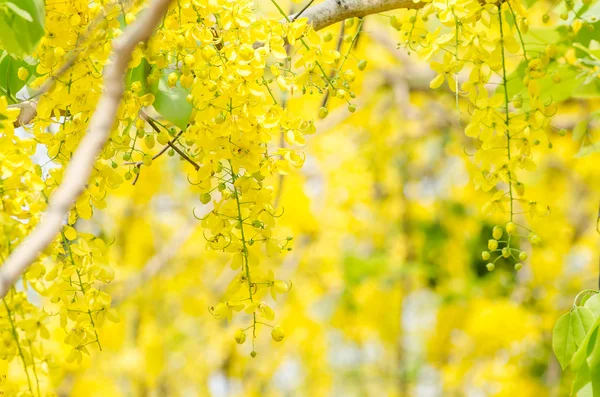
[507, 113]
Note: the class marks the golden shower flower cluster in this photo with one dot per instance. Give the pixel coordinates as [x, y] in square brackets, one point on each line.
[209, 88]
[474, 52]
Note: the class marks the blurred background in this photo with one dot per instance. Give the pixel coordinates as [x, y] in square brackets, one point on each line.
[390, 295]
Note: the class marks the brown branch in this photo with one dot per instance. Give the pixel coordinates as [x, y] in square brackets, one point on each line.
[162, 151]
[332, 11]
[82, 163]
[150, 121]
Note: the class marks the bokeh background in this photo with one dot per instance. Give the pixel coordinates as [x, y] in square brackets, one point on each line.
[390, 295]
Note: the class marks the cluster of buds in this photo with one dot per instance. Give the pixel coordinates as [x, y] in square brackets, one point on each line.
[507, 251]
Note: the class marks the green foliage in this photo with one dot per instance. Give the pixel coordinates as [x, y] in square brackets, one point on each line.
[139, 73]
[171, 103]
[576, 345]
[10, 83]
[581, 134]
[21, 25]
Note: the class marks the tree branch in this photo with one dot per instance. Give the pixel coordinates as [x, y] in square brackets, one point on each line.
[333, 11]
[80, 168]
[170, 143]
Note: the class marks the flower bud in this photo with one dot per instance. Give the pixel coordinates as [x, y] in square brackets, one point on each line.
[172, 78]
[523, 256]
[22, 73]
[492, 244]
[535, 239]
[147, 160]
[240, 336]
[556, 78]
[277, 334]
[551, 51]
[510, 228]
[189, 60]
[497, 232]
[281, 286]
[220, 118]
[205, 198]
[490, 266]
[485, 255]
[136, 86]
[323, 112]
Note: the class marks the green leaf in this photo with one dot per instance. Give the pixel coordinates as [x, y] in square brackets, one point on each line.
[569, 332]
[586, 390]
[582, 380]
[593, 362]
[580, 130]
[171, 103]
[593, 303]
[19, 11]
[10, 83]
[550, 91]
[139, 73]
[589, 89]
[542, 36]
[585, 348]
[593, 53]
[18, 35]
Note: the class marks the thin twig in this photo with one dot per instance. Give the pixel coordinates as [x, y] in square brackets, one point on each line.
[299, 14]
[139, 164]
[332, 74]
[150, 121]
